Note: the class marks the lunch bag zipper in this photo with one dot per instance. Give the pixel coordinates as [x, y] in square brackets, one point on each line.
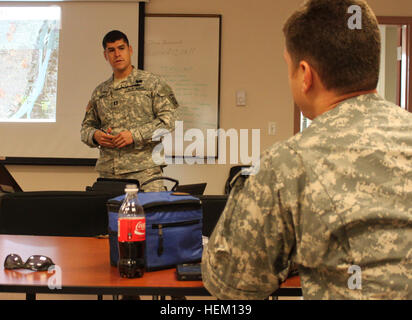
[161, 226]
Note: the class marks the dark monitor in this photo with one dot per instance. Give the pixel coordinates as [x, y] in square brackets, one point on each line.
[193, 189]
[212, 206]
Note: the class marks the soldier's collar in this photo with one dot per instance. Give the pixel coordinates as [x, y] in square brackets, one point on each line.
[133, 73]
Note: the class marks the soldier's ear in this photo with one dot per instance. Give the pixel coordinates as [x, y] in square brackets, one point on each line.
[307, 76]
[105, 55]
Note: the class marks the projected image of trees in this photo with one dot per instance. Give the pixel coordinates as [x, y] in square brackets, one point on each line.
[29, 42]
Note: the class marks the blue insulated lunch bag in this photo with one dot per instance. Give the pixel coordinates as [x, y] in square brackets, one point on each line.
[173, 228]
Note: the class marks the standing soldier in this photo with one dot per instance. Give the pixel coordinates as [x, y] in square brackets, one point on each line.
[123, 114]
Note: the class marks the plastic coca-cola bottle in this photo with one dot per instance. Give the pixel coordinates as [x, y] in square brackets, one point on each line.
[131, 235]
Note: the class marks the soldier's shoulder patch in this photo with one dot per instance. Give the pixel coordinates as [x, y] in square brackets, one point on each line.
[89, 106]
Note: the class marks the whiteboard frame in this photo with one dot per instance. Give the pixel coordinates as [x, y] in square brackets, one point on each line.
[218, 18]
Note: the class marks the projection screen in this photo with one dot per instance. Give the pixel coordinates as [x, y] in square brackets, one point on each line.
[51, 59]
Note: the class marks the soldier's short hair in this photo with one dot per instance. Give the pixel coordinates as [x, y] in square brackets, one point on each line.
[347, 59]
[113, 36]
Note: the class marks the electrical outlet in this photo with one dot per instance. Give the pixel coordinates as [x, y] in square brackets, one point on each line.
[272, 128]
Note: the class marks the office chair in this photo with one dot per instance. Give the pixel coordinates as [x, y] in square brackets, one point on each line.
[232, 173]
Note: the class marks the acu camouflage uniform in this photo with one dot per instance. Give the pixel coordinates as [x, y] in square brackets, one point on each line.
[140, 104]
[337, 195]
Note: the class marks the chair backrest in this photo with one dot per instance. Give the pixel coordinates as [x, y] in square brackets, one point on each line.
[233, 171]
[7, 182]
[212, 206]
[195, 189]
[113, 186]
[54, 213]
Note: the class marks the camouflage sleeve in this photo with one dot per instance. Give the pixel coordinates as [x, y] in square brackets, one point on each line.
[165, 110]
[90, 124]
[247, 256]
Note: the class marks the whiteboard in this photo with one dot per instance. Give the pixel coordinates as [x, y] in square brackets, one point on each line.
[185, 51]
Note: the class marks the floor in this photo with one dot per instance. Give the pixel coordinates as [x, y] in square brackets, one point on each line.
[22, 296]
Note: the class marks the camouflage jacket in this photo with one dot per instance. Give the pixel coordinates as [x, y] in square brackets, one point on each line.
[140, 104]
[337, 195]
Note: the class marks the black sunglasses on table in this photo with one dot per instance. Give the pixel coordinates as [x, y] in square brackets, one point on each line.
[35, 262]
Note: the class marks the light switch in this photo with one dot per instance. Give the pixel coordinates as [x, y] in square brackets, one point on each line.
[241, 98]
[399, 53]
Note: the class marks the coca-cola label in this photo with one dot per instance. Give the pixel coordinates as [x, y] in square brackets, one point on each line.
[132, 229]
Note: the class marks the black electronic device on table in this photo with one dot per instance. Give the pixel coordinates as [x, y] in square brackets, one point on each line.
[189, 272]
